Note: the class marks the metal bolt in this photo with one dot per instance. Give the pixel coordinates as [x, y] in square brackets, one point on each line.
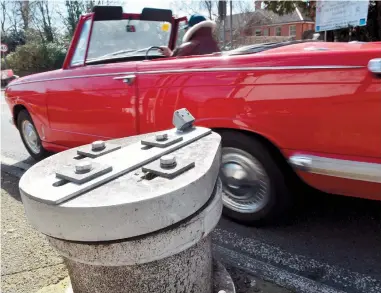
[168, 161]
[161, 137]
[98, 145]
[83, 167]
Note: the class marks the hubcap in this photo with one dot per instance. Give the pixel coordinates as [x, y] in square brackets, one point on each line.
[246, 186]
[31, 137]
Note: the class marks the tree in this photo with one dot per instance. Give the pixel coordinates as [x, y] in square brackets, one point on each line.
[3, 8]
[286, 7]
[43, 19]
[24, 9]
[12, 32]
[209, 8]
[10, 11]
[74, 9]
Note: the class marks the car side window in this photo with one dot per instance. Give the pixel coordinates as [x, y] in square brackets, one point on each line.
[80, 50]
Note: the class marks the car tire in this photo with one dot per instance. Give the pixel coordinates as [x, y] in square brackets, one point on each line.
[30, 137]
[254, 187]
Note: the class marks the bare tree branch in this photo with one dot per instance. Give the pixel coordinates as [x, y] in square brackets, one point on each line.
[3, 7]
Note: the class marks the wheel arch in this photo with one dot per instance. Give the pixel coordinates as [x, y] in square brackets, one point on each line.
[290, 175]
[16, 111]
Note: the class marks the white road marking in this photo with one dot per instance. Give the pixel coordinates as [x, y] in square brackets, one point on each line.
[270, 273]
[13, 167]
[14, 163]
[298, 265]
[12, 171]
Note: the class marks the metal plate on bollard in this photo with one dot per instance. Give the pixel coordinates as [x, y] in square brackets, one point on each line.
[122, 161]
[69, 173]
[153, 141]
[123, 202]
[180, 167]
[88, 151]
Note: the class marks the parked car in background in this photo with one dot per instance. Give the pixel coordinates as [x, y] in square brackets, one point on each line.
[289, 111]
[7, 76]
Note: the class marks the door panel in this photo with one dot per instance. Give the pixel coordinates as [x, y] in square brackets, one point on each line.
[332, 111]
[90, 104]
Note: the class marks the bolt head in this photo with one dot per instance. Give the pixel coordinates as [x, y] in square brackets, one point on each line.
[98, 145]
[167, 161]
[161, 137]
[83, 167]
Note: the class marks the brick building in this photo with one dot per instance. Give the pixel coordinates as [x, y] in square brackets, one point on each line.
[266, 23]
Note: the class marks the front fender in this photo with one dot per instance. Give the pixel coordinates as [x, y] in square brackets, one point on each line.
[35, 109]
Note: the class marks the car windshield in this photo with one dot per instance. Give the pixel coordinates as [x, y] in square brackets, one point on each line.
[120, 37]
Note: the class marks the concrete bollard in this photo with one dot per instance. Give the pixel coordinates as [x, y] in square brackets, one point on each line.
[132, 214]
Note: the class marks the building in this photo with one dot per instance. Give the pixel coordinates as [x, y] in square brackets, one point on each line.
[262, 22]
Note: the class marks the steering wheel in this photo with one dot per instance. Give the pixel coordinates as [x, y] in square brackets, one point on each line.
[150, 48]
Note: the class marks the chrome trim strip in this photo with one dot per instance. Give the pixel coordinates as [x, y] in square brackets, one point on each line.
[73, 77]
[218, 69]
[190, 70]
[80, 133]
[370, 172]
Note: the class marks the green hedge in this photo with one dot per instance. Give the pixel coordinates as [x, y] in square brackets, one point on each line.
[35, 57]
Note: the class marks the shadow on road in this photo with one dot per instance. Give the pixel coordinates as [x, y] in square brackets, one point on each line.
[335, 229]
[10, 184]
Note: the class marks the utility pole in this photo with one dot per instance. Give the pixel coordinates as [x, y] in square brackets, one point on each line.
[222, 16]
[231, 24]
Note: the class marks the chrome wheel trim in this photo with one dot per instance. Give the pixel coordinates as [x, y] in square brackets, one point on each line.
[30, 136]
[246, 185]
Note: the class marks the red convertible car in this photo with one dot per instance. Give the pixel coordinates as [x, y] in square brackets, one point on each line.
[287, 112]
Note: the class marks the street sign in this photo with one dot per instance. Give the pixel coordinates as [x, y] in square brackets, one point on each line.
[331, 15]
[4, 48]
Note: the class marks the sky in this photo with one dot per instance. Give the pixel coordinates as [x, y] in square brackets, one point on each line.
[136, 6]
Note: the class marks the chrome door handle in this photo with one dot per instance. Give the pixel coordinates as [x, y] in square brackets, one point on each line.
[129, 79]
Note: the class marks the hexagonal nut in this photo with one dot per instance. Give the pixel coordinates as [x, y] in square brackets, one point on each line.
[161, 137]
[183, 119]
[98, 145]
[83, 167]
[168, 161]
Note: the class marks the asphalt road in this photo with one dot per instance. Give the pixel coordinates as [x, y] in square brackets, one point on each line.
[11, 144]
[329, 243]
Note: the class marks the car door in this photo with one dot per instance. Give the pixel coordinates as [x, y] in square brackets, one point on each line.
[159, 92]
[91, 102]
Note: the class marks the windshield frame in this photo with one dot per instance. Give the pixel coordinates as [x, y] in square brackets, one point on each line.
[84, 18]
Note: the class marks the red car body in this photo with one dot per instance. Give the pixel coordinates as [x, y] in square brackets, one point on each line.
[316, 103]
